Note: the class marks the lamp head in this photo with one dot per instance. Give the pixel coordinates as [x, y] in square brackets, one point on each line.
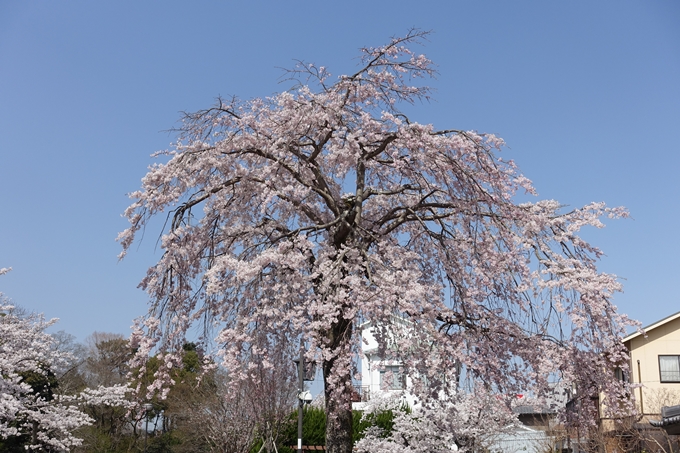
[305, 397]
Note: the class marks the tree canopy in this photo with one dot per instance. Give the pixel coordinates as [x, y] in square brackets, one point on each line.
[32, 417]
[303, 214]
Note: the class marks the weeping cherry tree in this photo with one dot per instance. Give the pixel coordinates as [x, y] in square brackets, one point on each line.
[304, 214]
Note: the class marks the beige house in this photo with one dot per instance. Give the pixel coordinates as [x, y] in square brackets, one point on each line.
[655, 363]
[655, 369]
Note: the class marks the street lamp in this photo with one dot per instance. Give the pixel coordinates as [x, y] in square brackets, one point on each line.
[303, 395]
[147, 408]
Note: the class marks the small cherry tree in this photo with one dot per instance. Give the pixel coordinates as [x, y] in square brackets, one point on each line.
[35, 413]
[325, 206]
[30, 412]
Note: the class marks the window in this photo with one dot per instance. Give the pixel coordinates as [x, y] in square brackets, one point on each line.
[620, 374]
[392, 378]
[669, 368]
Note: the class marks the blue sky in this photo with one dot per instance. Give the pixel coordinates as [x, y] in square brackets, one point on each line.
[586, 94]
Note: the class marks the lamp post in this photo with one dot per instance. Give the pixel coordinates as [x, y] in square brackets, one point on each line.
[301, 388]
[147, 408]
[303, 396]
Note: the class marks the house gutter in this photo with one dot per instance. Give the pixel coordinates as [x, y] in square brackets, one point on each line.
[642, 406]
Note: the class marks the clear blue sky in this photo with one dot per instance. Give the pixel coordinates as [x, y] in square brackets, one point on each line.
[586, 94]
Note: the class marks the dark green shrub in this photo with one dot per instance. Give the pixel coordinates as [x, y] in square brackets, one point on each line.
[314, 427]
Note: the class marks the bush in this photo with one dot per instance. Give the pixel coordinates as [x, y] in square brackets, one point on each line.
[314, 427]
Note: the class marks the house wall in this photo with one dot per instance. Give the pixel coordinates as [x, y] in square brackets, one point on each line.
[370, 375]
[663, 339]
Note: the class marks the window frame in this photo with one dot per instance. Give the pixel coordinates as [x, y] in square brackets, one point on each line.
[661, 376]
[398, 377]
[622, 376]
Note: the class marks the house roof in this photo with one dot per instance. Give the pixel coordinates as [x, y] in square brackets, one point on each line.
[555, 399]
[652, 326]
[533, 410]
[670, 420]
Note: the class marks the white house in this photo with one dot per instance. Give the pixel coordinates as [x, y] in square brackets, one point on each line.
[381, 377]
[384, 377]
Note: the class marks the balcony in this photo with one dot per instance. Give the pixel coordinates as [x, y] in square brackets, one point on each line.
[361, 394]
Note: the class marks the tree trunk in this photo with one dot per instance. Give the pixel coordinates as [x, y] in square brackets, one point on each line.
[339, 397]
